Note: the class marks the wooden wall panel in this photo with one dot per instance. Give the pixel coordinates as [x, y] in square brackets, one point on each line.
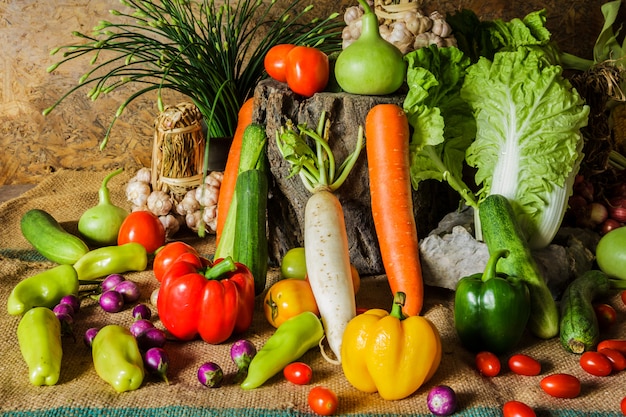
[31, 145]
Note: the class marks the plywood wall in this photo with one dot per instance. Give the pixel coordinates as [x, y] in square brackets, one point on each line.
[33, 145]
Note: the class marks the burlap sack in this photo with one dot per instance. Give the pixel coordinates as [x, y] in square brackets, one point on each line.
[80, 392]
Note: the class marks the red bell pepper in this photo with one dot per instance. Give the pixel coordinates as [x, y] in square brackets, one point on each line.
[212, 301]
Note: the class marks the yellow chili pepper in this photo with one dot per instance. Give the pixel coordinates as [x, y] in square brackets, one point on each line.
[390, 353]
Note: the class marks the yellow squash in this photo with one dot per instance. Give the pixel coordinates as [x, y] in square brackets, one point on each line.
[389, 353]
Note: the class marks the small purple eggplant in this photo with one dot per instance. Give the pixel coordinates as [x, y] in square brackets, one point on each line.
[142, 311]
[242, 352]
[210, 375]
[111, 301]
[140, 326]
[157, 362]
[111, 281]
[129, 290]
[89, 335]
[152, 337]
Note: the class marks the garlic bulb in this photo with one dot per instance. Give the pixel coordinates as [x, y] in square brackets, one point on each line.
[171, 224]
[207, 195]
[144, 175]
[137, 192]
[209, 217]
[427, 39]
[402, 24]
[188, 204]
[159, 203]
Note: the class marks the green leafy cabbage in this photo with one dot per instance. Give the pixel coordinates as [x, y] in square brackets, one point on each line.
[528, 145]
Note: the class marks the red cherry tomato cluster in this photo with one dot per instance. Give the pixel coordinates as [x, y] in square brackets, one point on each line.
[305, 69]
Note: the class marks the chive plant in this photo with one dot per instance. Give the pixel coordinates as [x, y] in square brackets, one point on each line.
[212, 53]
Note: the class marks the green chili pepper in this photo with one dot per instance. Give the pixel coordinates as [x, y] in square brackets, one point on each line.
[112, 260]
[39, 337]
[43, 290]
[491, 310]
[117, 359]
[289, 342]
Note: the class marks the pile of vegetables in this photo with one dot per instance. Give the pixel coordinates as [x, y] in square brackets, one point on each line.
[498, 104]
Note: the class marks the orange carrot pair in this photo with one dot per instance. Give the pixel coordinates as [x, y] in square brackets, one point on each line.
[387, 145]
[227, 189]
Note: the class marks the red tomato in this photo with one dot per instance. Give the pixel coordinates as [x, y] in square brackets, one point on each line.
[596, 363]
[275, 61]
[524, 365]
[298, 373]
[323, 401]
[606, 314]
[167, 255]
[561, 385]
[142, 227]
[617, 358]
[617, 344]
[488, 364]
[307, 70]
[517, 409]
[622, 405]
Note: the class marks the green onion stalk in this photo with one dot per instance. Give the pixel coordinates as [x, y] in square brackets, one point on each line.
[212, 53]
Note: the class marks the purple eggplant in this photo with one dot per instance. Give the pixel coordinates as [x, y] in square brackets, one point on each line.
[210, 375]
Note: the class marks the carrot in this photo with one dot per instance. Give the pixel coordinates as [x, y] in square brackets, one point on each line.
[227, 188]
[387, 145]
[325, 237]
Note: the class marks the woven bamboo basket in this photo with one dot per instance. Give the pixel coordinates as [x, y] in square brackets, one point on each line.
[178, 150]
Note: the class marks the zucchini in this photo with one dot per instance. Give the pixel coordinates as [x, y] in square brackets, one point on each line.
[253, 156]
[579, 330]
[251, 243]
[50, 239]
[501, 231]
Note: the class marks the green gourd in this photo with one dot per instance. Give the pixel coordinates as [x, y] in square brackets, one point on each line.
[100, 224]
[370, 65]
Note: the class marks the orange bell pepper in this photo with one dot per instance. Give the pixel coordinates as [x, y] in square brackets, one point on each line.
[390, 353]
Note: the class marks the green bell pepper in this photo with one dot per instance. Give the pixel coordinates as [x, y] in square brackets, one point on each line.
[117, 358]
[43, 290]
[112, 260]
[289, 342]
[491, 310]
[39, 337]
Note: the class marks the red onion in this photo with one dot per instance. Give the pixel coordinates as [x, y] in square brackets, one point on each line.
[608, 225]
[441, 400]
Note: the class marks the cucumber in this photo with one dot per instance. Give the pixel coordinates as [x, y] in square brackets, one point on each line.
[501, 231]
[579, 330]
[253, 156]
[251, 243]
[50, 239]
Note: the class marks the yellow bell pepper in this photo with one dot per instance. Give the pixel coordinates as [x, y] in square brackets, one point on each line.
[390, 353]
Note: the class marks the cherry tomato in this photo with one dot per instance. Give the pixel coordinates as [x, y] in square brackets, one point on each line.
[298, 373]
[167, 254]
[524, 365]
[617, 344]
[323, 401]
[142, 227]
[288, 298]
[617, 358]
[561, 385]
[517, 409]
[606, 314]
[596, 363]
[487, 364]
[293, 264]
[275, 61]
[307, 70]
[622, 405]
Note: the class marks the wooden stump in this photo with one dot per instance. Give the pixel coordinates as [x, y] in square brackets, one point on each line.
[274, 105]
